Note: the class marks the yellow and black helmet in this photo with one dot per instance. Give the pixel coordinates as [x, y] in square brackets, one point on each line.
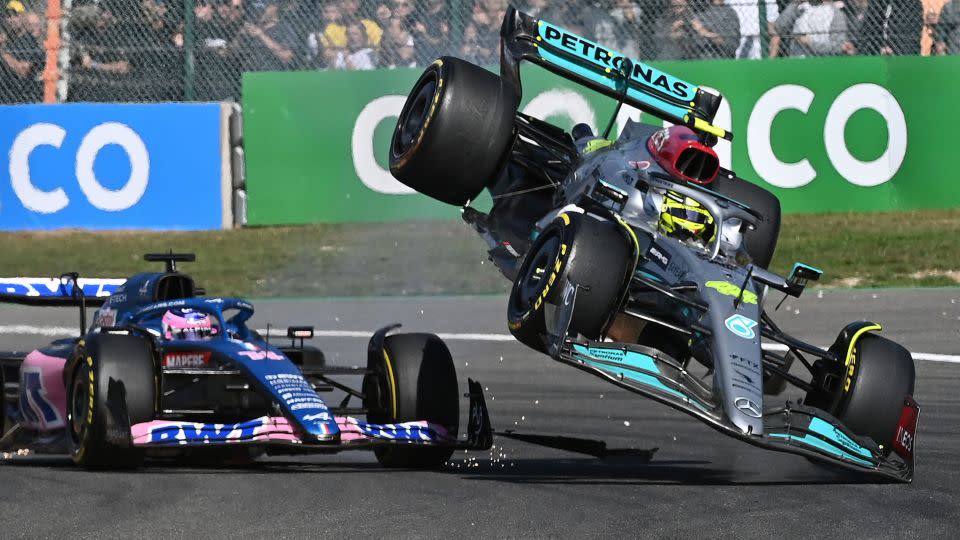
[686, 219]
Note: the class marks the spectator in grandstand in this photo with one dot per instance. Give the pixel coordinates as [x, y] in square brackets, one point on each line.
[21, 56]
[749, 14]
[672, 32]
[891, 27]
[716, 31]
[217, 58]
[398, 50]
[625, 27]
[156, 60]
[100, 70]
[325, 45]
[855, 11]
[810, 28]
[931, 18]
[947, 32]
[351, 12]
[471, 48]
[267, 42]
[432, 29]
[358, 54]
[402, 12]
[481, 37]
[535, 8]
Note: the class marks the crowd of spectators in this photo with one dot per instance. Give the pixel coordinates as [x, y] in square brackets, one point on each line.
[140, 50]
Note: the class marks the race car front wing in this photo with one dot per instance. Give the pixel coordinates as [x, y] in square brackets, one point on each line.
[354, 433]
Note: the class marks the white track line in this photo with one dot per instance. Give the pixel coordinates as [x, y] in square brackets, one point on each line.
[66, 331]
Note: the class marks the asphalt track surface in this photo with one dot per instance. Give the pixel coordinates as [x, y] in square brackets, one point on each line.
[698, 483]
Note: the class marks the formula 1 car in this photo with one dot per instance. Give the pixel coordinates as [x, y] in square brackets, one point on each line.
[165, 371]
[640, 259]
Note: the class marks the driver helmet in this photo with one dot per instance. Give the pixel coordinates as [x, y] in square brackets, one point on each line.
[187, 324]
[686, 219]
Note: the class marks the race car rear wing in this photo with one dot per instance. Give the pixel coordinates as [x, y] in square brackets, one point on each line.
[578, 59]
[66, 291]
[58, 292]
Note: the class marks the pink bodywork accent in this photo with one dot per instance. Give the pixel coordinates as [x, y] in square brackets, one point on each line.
[273, 428]
[53, 391]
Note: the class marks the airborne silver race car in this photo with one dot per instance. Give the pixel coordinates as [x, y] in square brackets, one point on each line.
[640, 259]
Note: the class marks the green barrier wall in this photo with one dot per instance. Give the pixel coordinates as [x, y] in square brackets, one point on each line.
[826, 135]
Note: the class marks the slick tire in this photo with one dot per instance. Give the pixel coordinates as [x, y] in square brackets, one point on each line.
[414, 379]
[881, 376]
[585, 249]
[762, 241]
[454, 131]
[112, 386]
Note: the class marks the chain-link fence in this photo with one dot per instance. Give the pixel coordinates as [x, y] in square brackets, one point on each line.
[163, 50]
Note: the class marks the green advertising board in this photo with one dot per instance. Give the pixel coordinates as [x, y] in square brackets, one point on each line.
[824, 134]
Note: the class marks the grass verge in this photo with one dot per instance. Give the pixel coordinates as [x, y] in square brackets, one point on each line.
[855, 250]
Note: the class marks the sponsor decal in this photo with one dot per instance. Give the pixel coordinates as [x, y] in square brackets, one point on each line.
[261, 355]
[186, 359]
[639, 165]
[748, 407]
[658, 255]
[145, 288]
[729, 289]
[297, 393]
[184, 433]
[105, 317]
[659, 138]
[601, 56]
[55, 287]
[905, 437]
[741, 326]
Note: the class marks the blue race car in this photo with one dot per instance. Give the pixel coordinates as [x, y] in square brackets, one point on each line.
[164, 370]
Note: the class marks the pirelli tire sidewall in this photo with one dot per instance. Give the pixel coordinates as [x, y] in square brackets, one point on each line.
[417, 380]
[878, 374]
[589, 250]
[111, 385]
[550, 250]
[454, 131]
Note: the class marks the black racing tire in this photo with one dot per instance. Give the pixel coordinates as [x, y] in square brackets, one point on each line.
[762, 241]
[454, 131]
[414, 379]
[590, 251]
[114, 375]
[883, 374]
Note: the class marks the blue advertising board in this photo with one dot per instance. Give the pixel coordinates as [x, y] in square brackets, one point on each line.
[111, 166]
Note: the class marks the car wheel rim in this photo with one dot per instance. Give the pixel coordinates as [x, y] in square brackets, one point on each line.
[79, 406]
[412, 118]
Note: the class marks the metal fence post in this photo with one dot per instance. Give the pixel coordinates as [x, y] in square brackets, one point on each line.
[764, 30]
[189, 73]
